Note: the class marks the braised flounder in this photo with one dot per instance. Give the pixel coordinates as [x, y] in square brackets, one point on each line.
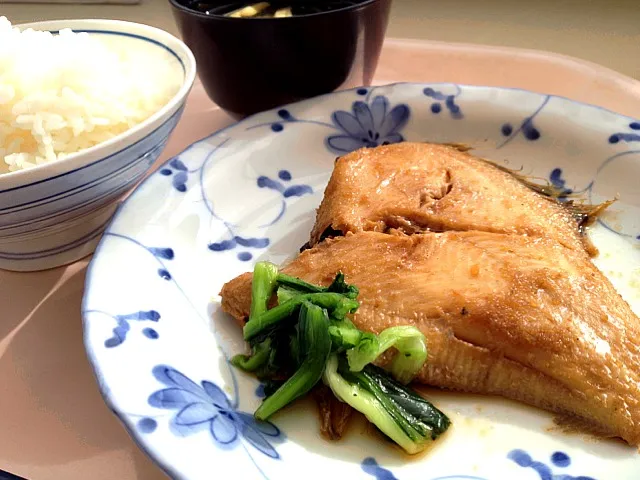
[503, 290]
[416, 187]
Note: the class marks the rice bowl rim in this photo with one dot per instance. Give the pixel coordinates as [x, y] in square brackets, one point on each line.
[160, 38]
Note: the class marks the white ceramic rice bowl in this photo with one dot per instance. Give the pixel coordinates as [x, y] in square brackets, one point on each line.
[55, 213]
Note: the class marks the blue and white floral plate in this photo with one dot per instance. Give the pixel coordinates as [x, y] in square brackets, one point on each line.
[159, 342]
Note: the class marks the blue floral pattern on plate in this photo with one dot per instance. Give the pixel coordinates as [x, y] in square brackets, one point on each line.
[527, 128]
[207, 406]
[449, 101]
[368, 125]
[207, 213]
[180, 174]
[123, 326]
[234, 240]
[544, 471]
[557, 179]
[632, 136]
[523, 459]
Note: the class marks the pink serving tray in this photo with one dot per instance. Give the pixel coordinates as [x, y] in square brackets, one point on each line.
[53, 422]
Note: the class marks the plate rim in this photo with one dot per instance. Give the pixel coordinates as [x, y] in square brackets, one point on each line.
[104, 389]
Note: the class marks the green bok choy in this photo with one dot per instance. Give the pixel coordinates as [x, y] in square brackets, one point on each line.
[308, 337]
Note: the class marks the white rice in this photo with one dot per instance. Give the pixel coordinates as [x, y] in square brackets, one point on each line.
[60, 94]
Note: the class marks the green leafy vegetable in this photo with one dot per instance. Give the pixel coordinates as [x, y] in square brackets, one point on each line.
[271, 386]
[338, 305]
[309, 336]
[340, 286]
[315, 345]
[263, 284]
[344, 334]
[337, 286]
[401, 414]
[297, 285]
[285, 294]
[259, 356]
[411, 346]
[280, 362]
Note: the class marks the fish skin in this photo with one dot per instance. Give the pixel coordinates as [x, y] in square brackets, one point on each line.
[421, 186]
[521, 317]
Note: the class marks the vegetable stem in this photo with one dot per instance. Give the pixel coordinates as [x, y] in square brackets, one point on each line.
[364, 402]
[263, 284]
[336, 303]
[298, 285]
[344, 334]
[410, 343]
[337, 286]
[259, 356]
[400, 413]
[285, 294]
[315, 344]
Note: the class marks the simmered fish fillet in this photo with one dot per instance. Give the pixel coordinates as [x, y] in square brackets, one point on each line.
[419, 186]
[515, 315]
[495, 274]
